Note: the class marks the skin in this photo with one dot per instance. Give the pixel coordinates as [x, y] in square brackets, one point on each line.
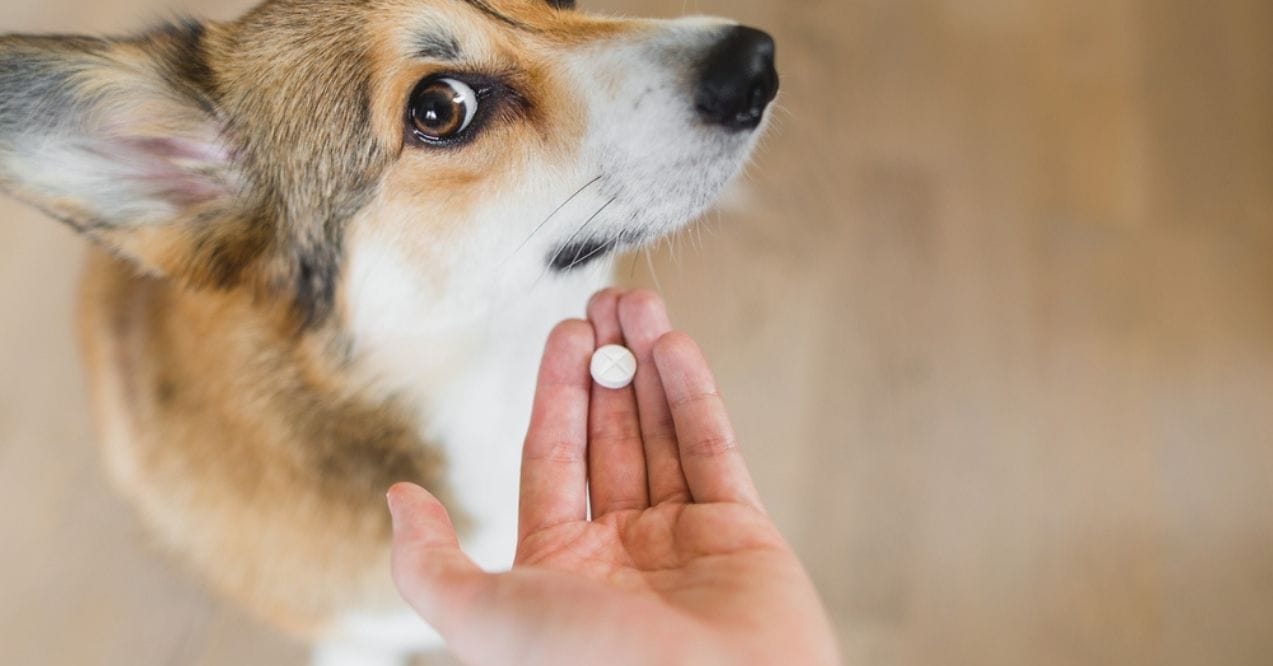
[679, 563]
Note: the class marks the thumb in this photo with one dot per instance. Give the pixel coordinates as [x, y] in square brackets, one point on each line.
[438, 580]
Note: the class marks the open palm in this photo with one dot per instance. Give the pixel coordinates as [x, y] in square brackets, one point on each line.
[677, 563]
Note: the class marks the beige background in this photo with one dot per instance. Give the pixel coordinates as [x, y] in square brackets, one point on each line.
[995, 315]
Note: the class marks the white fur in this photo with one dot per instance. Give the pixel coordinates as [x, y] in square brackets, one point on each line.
[470, 371]
[456, 325]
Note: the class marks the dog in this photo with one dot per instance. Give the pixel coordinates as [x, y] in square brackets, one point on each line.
[328, 241]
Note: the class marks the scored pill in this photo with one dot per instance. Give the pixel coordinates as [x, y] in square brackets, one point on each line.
[613, 366]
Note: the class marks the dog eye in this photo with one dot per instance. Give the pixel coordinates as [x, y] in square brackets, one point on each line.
[443, 108]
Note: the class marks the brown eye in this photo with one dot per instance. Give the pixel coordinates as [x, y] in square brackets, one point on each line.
[443, 108]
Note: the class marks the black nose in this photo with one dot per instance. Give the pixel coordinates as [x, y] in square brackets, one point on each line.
[738, 80]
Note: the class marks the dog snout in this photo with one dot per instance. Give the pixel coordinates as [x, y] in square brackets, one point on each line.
[738, 80]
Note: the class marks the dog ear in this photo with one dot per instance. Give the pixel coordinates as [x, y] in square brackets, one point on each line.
[120, 139]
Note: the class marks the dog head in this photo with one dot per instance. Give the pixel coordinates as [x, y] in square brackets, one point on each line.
[455, 145]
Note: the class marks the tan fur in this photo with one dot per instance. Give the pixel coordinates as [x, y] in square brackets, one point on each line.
[228, 402]
[240, 441]
[253, 462]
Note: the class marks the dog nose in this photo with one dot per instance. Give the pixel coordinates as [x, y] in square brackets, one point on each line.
[738, 80]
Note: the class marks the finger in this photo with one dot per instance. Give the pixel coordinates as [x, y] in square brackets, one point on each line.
[616, 457]
[713, 465]
[554, 460]
[438, 580]
[644, 320]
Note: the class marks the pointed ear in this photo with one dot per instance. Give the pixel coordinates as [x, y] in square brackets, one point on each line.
[120, 139]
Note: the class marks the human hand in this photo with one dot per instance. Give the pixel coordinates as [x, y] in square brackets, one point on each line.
[679, 563]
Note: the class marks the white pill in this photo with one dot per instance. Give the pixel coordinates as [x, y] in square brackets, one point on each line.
[613, 366]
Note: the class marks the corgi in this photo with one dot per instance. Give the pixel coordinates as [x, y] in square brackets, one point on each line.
[329, 240]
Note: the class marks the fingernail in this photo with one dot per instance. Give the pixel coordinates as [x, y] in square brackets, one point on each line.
[391, 498]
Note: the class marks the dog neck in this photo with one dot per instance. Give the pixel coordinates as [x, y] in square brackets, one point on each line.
[418, 340]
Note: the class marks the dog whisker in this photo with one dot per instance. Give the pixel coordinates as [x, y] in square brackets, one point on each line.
[603, 247]
[583, 227]
[553, 214]
[654, 274]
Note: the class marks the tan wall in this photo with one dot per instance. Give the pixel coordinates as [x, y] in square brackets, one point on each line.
[995, 314]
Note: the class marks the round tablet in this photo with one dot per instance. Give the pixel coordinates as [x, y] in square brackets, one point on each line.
[613, 366]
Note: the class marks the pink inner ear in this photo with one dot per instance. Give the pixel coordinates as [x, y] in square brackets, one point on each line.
[179, 171]
[175, 148]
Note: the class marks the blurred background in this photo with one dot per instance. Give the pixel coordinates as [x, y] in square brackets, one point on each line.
[993, 310]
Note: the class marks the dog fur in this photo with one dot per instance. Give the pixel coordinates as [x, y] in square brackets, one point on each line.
[291, 305]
